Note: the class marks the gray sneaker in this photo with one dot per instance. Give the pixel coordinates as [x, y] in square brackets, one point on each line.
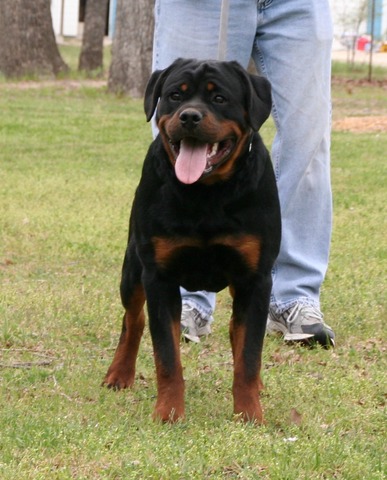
[301, 323]
[193, 324]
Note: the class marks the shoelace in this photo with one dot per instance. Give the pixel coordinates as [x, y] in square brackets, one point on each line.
[199, 321]
[308, 310]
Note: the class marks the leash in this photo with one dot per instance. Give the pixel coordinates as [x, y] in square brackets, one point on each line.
[222, 44]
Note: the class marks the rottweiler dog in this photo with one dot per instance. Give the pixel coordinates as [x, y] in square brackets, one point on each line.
[205, 216]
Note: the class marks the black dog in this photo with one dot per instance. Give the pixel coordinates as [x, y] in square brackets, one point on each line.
[205, 216]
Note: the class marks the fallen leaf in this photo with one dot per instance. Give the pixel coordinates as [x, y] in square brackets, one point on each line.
[295, 417]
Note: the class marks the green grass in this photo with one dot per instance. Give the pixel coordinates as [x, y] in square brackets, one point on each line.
[70, 161]
[70, 54]
[351, 99]
[358, 71]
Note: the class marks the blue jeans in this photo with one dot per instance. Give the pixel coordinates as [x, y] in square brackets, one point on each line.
[290, 43]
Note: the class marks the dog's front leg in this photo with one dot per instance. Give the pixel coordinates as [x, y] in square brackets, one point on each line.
[247, 331]
[122, 370]
[123, 367]
[164, 309]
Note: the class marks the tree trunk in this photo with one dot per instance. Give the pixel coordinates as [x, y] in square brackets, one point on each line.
[27, 40]
[91, 57]
[132, 47]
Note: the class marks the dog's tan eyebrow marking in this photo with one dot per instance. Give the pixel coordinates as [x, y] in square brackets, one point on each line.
[183, 87]
[210, 86]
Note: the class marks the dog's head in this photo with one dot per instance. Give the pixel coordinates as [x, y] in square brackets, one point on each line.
[206, 113]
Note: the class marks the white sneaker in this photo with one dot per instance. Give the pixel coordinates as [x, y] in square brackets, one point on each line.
[193, 324]
[301, 323]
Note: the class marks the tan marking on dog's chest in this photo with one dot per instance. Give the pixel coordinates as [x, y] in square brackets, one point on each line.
[247, 246]
[166, 247]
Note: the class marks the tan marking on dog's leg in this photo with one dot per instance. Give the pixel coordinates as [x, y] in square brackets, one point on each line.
[245, 390]
[170, 386]
[122, 370]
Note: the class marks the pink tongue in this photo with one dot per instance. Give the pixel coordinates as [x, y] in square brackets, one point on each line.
[191, 161]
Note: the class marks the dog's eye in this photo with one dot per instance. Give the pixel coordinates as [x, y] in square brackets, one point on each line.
[175, 96]
[219, 99]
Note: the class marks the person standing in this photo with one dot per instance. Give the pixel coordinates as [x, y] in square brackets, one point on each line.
[290, 44]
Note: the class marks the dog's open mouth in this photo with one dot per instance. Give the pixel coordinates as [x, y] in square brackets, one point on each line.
[195, 158]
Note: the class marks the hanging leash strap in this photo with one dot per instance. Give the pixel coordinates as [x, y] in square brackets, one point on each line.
[222, 44]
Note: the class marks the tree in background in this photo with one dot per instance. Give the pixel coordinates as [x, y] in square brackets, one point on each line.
[351, 15]
[91, 57]
[27, 40]
[132, 47]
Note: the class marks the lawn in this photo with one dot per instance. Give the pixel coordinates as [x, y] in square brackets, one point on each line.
[70, 160]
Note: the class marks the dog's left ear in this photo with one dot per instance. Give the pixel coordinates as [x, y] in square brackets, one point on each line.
[260, 101]
[258, 97]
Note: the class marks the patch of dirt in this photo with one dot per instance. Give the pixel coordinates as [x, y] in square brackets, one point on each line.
[358, 82]
[370, 124]
[65, 83]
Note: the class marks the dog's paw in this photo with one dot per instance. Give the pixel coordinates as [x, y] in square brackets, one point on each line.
[247, 407]
[169, 406]
[167, 414]
[253, 416]
[117, 380]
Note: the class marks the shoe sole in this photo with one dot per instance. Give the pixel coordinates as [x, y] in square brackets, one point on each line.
[307, 338]
[190, 338]
[297, 337]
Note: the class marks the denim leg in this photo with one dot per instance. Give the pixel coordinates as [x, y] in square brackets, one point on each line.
[190, 29]
[293, 48]
[202, 300]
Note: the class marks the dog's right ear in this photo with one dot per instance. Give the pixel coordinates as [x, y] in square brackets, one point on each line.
[153, 91]
[155, 85]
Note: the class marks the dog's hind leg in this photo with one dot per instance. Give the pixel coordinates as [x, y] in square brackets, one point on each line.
[164, 309]
[122, 370]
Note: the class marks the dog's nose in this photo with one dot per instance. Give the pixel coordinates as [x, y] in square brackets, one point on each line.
[190, 117]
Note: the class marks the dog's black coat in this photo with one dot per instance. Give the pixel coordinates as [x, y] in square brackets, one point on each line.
[220, 229]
